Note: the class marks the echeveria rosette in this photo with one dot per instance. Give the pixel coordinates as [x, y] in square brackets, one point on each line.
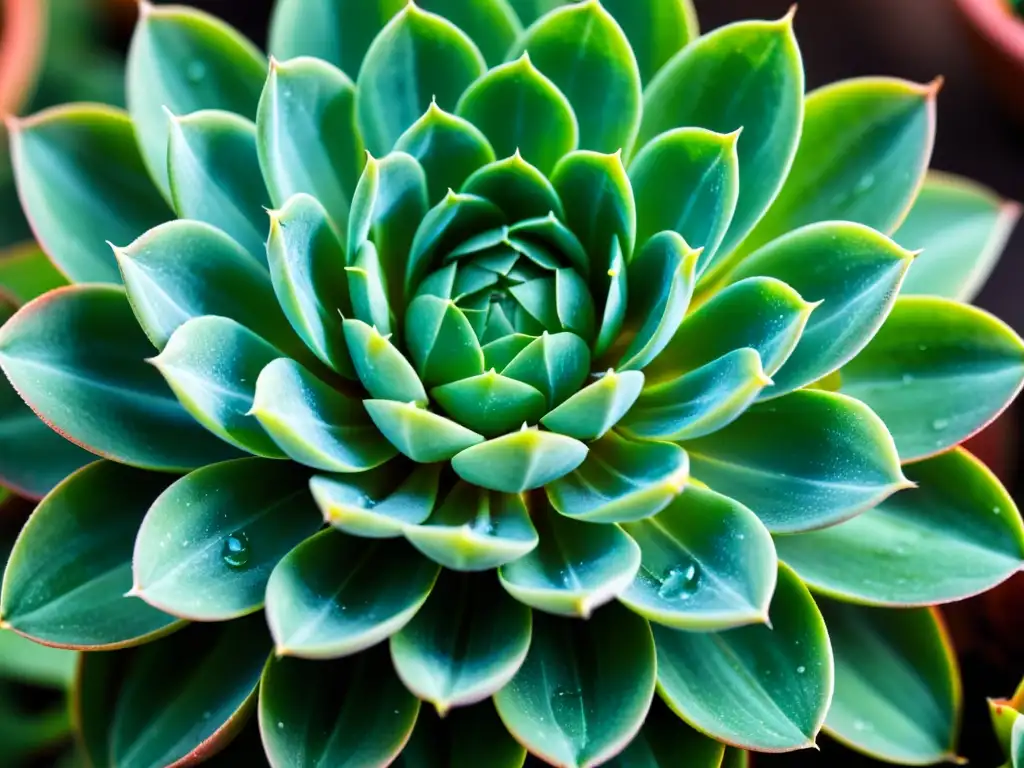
[626, 442]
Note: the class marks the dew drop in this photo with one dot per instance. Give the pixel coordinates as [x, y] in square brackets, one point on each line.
[908, 378]
[866, 182]
[996, 511]
[236, 551]
[940, 424]
[567, 708]
[801, 669]
[280, 725]
[195, 72]
[679, 582]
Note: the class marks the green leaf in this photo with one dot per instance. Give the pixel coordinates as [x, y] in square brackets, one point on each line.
[700, 402]
[26, 272]
[519, 461]
[520, 110]
[621, 480]
[758, 63]
[208, 544]
[315, 424]
[378, 504]
[26, 661]
[615, 300]
[367, 288]
[664, 739]
[465, 644]
[382, 369]
[306, 137]
[441, 341]
[475, 529]
[186, 269]
[956, 534]
[212, 364]
[517, 188]
[531, 10]
[591, 412]
[449, 148]
[416, 58]
[687, 180]
[584, 52]
[936, 372]
[863, 152]
[707, 564]
[307, 270]
[419, 434]
[185, 60]
[81, 180]
[347, 713]
[77, 356]
[69, 570]
[549, 232]
[490, 403]
[336, 595]
[214, 174]
[584, 689]
[897, 694]
[492, 24]
[736, 758]
[185, 697]
[466, 738]
[962, 228]
[1017, 743]
[779, 679]
[761, 313]
[555, 364]
[656, 30]
[856, 277]
[575, 568]
[500, 352]
[839, 460]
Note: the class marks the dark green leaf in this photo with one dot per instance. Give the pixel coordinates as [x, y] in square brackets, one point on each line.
[520, 461]
[492, 24]
[664, 739]
[421, 435]
[656, 30]
[467, 738]
[517, 188]
[441, 341]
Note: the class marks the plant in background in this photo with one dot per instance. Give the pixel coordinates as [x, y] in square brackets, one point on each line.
[634, 432]
[1008, 721]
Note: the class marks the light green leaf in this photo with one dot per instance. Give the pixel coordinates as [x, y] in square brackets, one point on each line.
[381, 368]
[519, 461]
[468, 640]
[77, 356]
[664, 739]
[555, 364]
[491, 24]
[441, 341]
[421, 435]
[416, 58]
[26, 272]
[656, 30]
[550, 233]
[956, 534]
[531, 10]
[26, 661]
[306, 136]
[1017, 743]
[348, 713]
[584, 689]
[466, 738]
[778, 681]
[897, 694]
[69, 570]
[591, 412]
[517, 188]
[336, 595]
[707, 564]
[185, 60]
[839, 460]
[490, 403]
[208, 544]
[615, 300]
[367, 289]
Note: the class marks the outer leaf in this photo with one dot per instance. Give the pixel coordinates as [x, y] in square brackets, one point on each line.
[27, 662]
[467, 737]
[586, 55]
[77, 356]
[346, 713]
[656, 31]
[336, 595]
[421, 435]
[839, 460]
[936, 372]
[863, 153]
[779, 681]
[186, 60]
[210, 541]
[417, 57]
[306, 137]
[707, 564]
[185, 697]
[955, 535]
[596, 408]
[519, 461]
[67, 576]
[897, 684]
[81, 180]
[26, 272]
[584, 689]
[758, 63]
[664, 740]
[857, 274]
[469, 639]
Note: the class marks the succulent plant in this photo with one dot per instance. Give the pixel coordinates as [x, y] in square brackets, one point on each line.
[1008, 721]
[634, 432]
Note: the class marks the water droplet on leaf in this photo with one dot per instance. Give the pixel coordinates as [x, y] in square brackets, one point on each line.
[680, 582]
[940, 423]
[236, 551]
[567, 708]
[801, 669]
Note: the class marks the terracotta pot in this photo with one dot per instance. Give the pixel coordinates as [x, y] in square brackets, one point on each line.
[997, 38]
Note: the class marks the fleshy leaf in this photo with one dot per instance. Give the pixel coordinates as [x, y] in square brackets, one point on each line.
[591, 412]
[556, 364]
[474, 529]
[69, 570]
[306, 137]
[81, 181]
[25, 661]
[467, 641]
[517, 188]
[936, 372]
[26, 272]
[336, 595]
[421, 435]
[664, 739]
[347, 713]
[490, 403]
[656, 30]
[779, 679]
[621, 480]
[520, 461]
[77, 356]
[839, 460]
[417, 57]
[584, 689]
[897, 695]
[185, 60]
[367, 289]
[209, 542]
[381, 368]
[441, 341]
[956, 534]
[707, 564]
[466, 737]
